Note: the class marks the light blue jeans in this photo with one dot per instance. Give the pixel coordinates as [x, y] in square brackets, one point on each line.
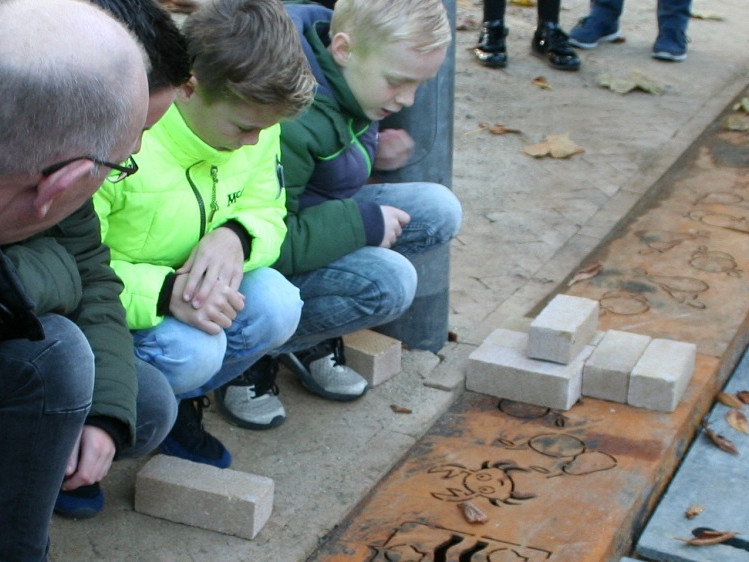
[372, 285]
[671, 14]
[195, 362]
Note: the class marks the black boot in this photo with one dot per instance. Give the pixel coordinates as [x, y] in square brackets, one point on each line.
[491, 50]
[551, 43]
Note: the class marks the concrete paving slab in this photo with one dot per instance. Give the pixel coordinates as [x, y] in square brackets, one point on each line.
[712, 478]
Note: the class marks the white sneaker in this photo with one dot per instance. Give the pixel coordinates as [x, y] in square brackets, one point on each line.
[323, 371]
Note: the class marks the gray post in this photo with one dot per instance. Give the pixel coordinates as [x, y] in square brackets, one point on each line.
[430, 123]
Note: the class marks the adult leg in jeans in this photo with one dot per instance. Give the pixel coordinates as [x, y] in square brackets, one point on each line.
[45, 394]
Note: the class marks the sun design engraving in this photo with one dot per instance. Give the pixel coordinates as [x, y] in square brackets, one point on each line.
[491, 481]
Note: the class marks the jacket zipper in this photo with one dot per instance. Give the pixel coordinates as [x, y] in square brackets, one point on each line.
[198, 198]
[361, 148]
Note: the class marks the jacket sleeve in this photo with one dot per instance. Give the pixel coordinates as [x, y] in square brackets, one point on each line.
[319, 234]
[142, 281]
[101, 317]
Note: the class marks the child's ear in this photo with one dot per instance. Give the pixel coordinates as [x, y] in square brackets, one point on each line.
[340, 48]
[54, 185]
[188, 89]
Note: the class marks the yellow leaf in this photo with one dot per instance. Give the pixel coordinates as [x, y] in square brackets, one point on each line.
[737, 420]
[705, 15]
[524, 3]
[537, 150]
[561, 146]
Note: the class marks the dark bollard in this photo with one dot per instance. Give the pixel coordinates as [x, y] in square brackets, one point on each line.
[430, 123]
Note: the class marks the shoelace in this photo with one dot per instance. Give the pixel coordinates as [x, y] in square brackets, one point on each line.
[339, 359]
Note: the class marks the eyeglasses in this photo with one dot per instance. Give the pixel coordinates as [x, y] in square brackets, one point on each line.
[128, 169]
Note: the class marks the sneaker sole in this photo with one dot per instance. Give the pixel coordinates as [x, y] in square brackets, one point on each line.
[295, 366]
[670, 57]
[604, 39]
[239, 422]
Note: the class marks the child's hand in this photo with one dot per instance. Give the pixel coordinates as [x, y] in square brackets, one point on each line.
[217, 312]
[395, 219]
[216, 259]
[394, 149]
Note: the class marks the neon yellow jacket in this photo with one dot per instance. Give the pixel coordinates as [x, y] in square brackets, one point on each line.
[184, 189]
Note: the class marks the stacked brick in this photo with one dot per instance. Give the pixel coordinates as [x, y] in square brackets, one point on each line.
[563, 357]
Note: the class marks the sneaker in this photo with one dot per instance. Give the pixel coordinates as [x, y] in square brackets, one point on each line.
[671, 45]
[590, 30]
[188, 440]
[323, 371]
[491, 50]
[250, 401]
[81, 503]
[551, 43]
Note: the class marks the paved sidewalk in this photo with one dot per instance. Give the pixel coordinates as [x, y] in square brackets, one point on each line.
[528, 225]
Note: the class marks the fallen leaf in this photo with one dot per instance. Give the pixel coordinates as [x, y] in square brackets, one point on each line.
[723, 443]
[586, 273]
[452, 336]
[742, 105]
[737, 420]
[743, 395]
[705, 15]
[524, 3]
[399, 409]
[729, 400]
[472, 513]
[635, 81]
[736, 122]
[706, 538]
[693, 511]
[498, 129]
[541, 82]
[556, 146]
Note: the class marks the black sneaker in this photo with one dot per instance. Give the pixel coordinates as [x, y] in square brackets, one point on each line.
[551, 43]
[250, 401]
[323, 371]
[188, 440]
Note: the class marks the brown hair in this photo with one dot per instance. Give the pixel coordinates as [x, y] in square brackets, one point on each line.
[249, 51]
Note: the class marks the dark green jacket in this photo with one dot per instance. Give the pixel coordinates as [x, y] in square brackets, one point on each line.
[65, 271]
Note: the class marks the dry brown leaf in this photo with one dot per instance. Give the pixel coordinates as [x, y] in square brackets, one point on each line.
[729, 400]
[541, 82]
[706, 538]
[737, 420]
[743, 395]
[586, 273]
[556, 146]
[693, 511]
[472, 513]
[724, 444]
[400, 409]
[498, 129]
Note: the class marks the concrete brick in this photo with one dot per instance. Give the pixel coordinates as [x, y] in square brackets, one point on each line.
[374, 356]
[662, 374]
[499, 367]
[606, 372]
[563, 328]
[200, 495]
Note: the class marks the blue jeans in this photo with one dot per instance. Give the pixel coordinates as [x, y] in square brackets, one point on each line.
[372, 285]
[671, 14]
[195, 362]
[45, 394]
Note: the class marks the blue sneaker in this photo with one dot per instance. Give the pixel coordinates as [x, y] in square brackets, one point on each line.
[189, 440]
[81, 503]
[671, 45]
[590, 30]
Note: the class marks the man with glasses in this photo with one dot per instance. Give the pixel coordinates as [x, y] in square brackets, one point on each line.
[72, 105]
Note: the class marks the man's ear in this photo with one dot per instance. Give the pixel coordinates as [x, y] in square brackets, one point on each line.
[340, 48]
[188, 89]
[53, 186]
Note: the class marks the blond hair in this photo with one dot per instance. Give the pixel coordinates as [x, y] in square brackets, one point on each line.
[369, 23]
[249, 51]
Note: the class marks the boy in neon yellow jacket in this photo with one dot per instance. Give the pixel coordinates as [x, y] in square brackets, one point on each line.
[193, 234]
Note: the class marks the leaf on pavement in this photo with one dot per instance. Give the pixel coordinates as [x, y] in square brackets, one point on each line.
[524, 3]
[472, 513]
[586, 273]
[541, 82]
[724, 444]
[706, 15]
[729, 400]
[743, 395]
[693, 511]
[625, 84]
[742, 105]
[556, 146]
[736, 122]
[706, 538]
[498, 128]
[400, 409]
[737, 420]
